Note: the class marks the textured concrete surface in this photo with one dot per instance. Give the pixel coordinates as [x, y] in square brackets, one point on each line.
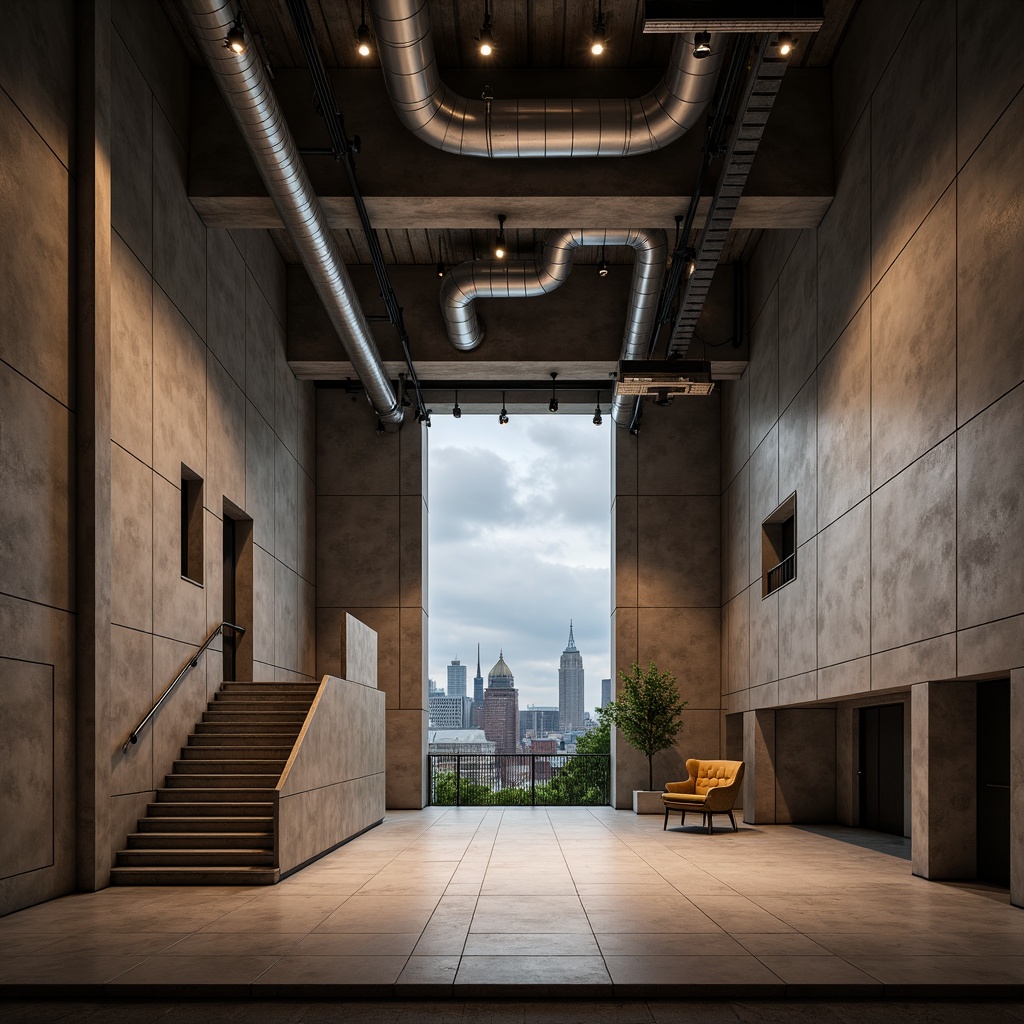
[358, 651]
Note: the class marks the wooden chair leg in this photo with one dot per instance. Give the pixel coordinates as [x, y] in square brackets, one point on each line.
[733, 820]
[665, 825]
[710, 819]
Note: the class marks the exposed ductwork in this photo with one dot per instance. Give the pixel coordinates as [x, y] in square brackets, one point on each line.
[529, 127]
[254, 107]
[510, 279]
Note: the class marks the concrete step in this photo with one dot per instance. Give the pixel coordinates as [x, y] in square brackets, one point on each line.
[252, 752]
[243, 739]
[210, 809]
[194, 876]
[221, 781]
[178, 795]
[268, 693]
[201, 841]
[224, 766]
[236, 858]
[242, 684]
[249, 704]
[297, 717]
[206, 824]
[231, 727]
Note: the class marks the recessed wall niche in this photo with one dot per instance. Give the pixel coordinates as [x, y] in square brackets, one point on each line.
[778, 547]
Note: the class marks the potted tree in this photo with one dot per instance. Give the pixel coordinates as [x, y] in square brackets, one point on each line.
[648, 711]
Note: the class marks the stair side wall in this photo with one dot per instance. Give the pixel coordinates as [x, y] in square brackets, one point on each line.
[334, 785]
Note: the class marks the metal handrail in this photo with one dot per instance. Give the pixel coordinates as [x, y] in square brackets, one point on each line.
[218, 630]
[783, 572]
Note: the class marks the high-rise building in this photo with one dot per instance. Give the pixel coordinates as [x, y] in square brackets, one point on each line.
[606, 692]
[478, 681]
[538, 722]
[450, 712]
[456, 679]
[433, 688]
[501, 708]
[570, 687]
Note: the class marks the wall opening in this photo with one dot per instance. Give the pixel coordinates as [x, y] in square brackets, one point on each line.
[778, 547]
[237, 559]
[192, 553]
[519, 547]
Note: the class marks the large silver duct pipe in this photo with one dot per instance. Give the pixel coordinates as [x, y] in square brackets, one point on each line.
[533, 128]
[512, 279]
[254, 107]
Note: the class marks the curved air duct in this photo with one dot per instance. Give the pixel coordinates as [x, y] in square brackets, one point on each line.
[510, 279]
[533, 128]
[256, 112]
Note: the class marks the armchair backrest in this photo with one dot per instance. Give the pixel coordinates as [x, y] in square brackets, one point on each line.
[707, 775]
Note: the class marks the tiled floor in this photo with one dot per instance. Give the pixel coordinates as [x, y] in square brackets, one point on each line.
[520, 903]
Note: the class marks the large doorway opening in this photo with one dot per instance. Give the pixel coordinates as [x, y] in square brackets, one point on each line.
[993, 751]
[519, 592]
[881, 768]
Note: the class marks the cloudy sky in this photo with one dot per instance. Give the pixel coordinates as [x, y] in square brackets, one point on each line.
[519, 545]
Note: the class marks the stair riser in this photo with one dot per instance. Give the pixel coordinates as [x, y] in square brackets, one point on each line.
[147, 825]
[199, 841]
[252, 728]
[293, 706]
[229, 767]
[240, 739]
[265, 718]
[194, 876]
[199, 810]
[251, 753]
[242, 796]
[194, 859]
[240, 684]
[221, 781]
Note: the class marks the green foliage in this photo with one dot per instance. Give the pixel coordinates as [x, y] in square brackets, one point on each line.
[599, 739]
[648, 711]
[579, 782]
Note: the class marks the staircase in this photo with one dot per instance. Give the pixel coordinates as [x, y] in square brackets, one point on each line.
[213, 820]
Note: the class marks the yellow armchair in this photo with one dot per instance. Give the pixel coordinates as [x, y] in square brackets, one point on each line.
[712, 788]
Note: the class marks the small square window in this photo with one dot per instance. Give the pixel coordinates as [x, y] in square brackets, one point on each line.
[778, 547]
[191, 526]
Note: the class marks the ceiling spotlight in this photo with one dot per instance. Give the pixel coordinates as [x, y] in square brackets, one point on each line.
[602, 269]
[486, 39]
[380, 427]
[500, 249]
[503, 415]
[597, 411]
[362, 33]
[690, 256]
[440, 256]
[457, 410]
[553, 404]
[440, 268]
[785, 44]
[597, 38]
[235, 39]
[702, 45]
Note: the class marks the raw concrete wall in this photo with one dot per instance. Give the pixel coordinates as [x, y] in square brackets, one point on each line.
[333, 786]
[180, 360]
[371, 550]
[199, 379]
[37, 431]
[666, 590]
[884, 385]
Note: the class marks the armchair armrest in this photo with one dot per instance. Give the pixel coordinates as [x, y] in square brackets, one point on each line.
[680, 787]
[723, 798]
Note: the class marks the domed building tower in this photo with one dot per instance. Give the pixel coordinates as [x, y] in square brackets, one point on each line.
[501, 708]
[570, 687]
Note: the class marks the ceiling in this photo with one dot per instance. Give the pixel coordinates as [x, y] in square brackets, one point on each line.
[528, 34]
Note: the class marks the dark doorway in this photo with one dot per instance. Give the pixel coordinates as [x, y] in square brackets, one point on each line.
[881, 768]
[994, 781]
[230, 596]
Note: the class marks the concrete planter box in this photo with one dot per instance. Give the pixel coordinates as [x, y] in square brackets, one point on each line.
[647, 801]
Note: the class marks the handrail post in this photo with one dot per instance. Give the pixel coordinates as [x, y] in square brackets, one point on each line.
[458, 780]
[533, 780]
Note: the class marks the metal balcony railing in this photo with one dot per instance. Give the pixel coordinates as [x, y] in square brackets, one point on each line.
[519, 780]
[782, 573]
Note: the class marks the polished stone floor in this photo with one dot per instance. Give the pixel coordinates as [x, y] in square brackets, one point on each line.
[521, 903]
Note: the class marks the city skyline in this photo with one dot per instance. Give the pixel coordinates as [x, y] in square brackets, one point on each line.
[519, 544]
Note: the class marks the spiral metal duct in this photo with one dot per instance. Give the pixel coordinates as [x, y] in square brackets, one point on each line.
[511, 279]
[533, 128]
[254, 107]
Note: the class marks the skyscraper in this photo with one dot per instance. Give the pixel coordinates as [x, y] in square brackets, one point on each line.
[570, 687]
[606, 692]
[478, 682]
[501, 708]
[456, 679]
